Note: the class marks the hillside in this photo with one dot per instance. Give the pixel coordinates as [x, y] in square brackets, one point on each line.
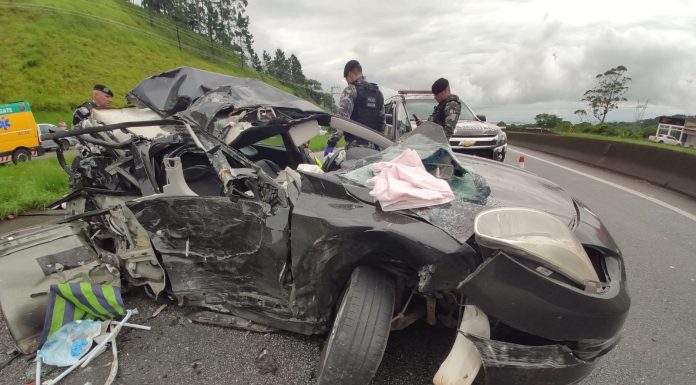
[57, 49]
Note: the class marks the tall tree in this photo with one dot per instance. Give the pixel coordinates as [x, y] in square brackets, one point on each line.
[295, 70]
[279, 65]
[256, 62]
[266, 62]
[547, 120]
[609, 91]
[581, 114]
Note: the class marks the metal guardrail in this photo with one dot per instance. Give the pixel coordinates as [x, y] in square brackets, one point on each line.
[671, 169]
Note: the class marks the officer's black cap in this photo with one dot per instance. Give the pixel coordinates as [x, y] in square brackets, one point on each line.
[440, 85]
[351, 65]
[104, 89]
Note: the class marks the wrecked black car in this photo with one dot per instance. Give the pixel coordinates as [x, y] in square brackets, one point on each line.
[205, 190]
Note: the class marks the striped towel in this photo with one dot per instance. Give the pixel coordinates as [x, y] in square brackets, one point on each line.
[68, 302]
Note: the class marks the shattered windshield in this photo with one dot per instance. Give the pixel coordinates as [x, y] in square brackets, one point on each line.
[471, 191]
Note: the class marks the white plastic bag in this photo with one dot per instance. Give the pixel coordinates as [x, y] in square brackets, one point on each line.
[66, 346]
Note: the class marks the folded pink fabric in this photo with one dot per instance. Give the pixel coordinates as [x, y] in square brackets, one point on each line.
[403, 183]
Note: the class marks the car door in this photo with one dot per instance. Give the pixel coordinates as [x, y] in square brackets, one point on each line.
[220, 252]
[402, 124]
[389, 123]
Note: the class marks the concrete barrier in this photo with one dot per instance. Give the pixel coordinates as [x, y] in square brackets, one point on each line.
[672, 169]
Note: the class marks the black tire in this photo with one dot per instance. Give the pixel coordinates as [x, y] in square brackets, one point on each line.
[64, 144]
[21, 155]
[355, 346]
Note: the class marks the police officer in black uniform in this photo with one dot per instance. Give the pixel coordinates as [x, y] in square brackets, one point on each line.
[101, 97]
[446, 113]
[362, 102]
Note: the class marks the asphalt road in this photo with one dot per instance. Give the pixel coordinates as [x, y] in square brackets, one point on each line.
[659, 345]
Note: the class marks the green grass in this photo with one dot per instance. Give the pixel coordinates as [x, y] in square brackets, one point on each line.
[632, 140]
[57, 49]
[31, 185]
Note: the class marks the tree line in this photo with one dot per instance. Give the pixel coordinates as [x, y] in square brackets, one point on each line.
[225, 22]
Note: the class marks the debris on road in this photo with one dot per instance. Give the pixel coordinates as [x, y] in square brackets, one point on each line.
[265, 362]
[230, 321]
[157, 311]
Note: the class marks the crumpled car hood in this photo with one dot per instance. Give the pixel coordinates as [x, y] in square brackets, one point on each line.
[511, 186]
[477, 184]
[175, 90]
[475, 128]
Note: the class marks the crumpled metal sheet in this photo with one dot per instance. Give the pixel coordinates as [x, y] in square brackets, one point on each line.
[176, 90]
[506, 363]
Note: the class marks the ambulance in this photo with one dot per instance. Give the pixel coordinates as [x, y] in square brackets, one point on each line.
[19, 133]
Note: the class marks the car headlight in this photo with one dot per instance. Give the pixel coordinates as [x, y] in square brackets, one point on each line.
[537, 236]
[501, 138]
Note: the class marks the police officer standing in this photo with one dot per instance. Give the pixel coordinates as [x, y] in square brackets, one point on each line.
[360, 101]
[101, 97]
[446, 113]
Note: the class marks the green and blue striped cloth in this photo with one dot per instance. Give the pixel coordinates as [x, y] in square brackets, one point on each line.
[68, 302]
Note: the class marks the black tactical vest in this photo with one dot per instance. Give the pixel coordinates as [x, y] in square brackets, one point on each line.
[439, 111]
[368, 106]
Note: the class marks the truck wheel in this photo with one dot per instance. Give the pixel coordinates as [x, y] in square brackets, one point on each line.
[660, 141]
[355, 346]
[21, 155]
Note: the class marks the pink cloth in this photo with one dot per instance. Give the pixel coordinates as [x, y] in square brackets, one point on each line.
[403, 183]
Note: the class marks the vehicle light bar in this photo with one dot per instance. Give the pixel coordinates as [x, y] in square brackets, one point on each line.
[405, 92]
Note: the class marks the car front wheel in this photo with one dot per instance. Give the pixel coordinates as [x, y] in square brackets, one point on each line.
[355, 346]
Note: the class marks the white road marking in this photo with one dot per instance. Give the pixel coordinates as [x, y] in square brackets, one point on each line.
[622, 188]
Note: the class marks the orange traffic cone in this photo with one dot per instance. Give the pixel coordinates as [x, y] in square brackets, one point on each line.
[521, 161]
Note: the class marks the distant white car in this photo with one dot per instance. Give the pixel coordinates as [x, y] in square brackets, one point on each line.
[48, 144]
[664, 139]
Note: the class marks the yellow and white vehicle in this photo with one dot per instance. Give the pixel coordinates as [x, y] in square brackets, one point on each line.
[19, 134]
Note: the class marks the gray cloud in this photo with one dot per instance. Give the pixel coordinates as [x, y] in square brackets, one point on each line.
[499, 55]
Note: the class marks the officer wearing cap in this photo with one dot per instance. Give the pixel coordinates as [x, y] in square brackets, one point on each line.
[362, 102]
[446, 113]
[101, 97]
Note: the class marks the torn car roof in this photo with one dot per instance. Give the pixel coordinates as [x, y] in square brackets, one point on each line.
[175, 90]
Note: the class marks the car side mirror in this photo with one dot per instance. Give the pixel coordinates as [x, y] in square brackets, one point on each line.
[389, 119]
[481, 117]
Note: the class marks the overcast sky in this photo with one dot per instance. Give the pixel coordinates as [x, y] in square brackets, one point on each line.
[508, 59]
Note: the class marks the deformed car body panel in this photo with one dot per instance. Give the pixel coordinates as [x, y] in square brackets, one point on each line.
[32, 260]
[526, 305]
[333, 232]
[220, 253]
[509, 363]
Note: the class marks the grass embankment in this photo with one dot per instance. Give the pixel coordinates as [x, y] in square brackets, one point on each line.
[57, 49]
[31, 185]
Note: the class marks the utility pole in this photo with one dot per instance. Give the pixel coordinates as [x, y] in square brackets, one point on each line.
[640, 111]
